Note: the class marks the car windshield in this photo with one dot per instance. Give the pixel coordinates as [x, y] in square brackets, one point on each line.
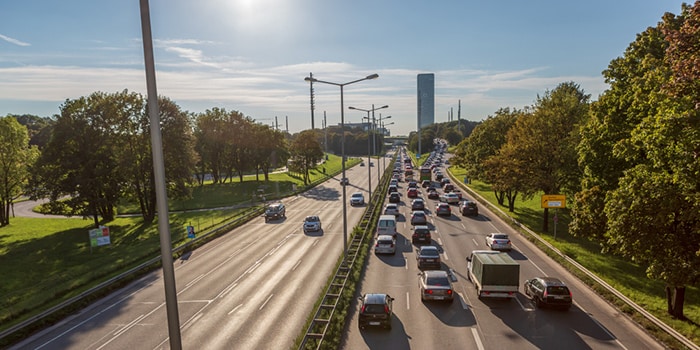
[500, 236]
[429, 252]
[384, 241]
[357, 195]
[418, 214]
[312, 219]
[437, 281]
[558, 290]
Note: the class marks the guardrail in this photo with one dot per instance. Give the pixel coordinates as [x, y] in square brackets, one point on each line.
[668, 329]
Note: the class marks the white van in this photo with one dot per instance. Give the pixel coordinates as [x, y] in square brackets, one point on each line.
[386, 225]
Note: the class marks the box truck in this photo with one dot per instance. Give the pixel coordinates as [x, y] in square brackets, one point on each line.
[494, 274]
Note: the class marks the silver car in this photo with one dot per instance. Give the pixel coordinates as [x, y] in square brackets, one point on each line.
[498, 241]
[312, 223]
[357, 198]
[391, 209]
[436, 285]
[386, 244]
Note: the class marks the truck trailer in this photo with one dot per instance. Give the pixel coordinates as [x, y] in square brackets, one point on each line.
[493, 273]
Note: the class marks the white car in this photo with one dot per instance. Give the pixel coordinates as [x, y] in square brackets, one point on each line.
[357, 198]
[391, 209]
[498, 241]
[386, 244]
[450, 198]
[312, 223]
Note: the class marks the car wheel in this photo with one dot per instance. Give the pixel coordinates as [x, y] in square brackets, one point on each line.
[538, 302]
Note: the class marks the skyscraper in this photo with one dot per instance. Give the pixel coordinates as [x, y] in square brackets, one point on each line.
[426, 99]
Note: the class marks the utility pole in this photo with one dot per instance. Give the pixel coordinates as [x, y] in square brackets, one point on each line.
[311, 93]
[459, 117]
[286, 123]
[325, 131]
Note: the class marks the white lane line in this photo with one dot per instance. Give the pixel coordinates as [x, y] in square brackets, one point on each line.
[296, 265]
[475, 243]
[439, 240]
[477, 340]
[195, 280]
[191, 321]
[405, 265]
[408, 302]
[234, 309]
[444, 253]
[265, 303]
[252, 268]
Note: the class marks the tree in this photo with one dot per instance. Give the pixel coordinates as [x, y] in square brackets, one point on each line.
[211, 143]
[16, 156]
[306, 151]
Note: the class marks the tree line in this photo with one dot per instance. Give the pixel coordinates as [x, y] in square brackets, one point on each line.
[630, 160]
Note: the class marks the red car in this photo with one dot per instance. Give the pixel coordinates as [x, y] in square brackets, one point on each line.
[412, 193]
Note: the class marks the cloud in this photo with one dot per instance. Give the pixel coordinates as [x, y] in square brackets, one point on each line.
[14, 41]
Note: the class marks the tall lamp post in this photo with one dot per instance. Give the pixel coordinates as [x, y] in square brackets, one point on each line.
[374, 142]
[342, 149]
[369, 160]
[383, 132]
[382, 138]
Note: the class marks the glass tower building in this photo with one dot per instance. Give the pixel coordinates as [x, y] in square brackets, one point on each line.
[426, 99]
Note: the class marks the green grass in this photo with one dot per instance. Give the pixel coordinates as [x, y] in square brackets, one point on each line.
[49, 260]
[628, 278]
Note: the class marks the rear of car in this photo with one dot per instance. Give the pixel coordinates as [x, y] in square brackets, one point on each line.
[418, 218]
[391, 209]
[385, 244]
[375, 310]
[428, 257]
[421, 234]
[469, 208]
[499, 241]
[443, 209]
[436, 285]
[548, 292]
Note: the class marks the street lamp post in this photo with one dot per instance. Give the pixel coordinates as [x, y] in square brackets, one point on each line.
[383, 132]
[374, 142]
[342, 149]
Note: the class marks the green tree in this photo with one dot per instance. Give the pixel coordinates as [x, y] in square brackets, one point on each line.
[306, 152]
[211, 143]
[16, 156]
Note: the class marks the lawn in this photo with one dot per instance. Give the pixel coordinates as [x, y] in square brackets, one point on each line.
[628, 278]
[50, 260]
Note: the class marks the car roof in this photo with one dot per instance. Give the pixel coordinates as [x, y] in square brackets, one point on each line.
[312, 218]
[429, 247]
[383, 237]
[357, 193]
[435, 273]
[421, 227]
[552, 281]
[419, 212]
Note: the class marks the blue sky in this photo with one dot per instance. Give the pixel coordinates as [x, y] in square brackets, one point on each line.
[252, 55]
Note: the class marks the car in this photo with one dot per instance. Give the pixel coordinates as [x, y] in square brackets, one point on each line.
[418, 217]
[391, 209]
[394, 182]
[371, 163]
[449, 188]
[498, 241]
[468, 207]
[362, 164]
[444, 181]
[418, 204]
[433, 194]
[397, 177]
[312, 223]
[344, 181]
[375, 309]
[439, 176]
[449, 198]
[421, 233]
[436, 285]
[357, 198]
[428, 256]
[385, 244]
[425, 183]
[443, 209]
[394, 197]
[413, 184]
[458, 193]
[393, 188]
[275, 211]
[412, 193]
[548, 291]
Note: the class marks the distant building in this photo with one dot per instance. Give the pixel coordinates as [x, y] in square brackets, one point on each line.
[426, 99]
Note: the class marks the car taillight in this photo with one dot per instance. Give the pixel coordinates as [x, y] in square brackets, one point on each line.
[449, 292]
[363, 309]
[429, 291]
[386, 308]
[544, 295]
[392, 245]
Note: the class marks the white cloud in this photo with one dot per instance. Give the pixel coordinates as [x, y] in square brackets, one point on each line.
[14, 41]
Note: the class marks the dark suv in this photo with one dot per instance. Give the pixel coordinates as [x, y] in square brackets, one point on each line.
[421, 233]
[468, 207]
[275, 211]
[548, 291]
[375, 310]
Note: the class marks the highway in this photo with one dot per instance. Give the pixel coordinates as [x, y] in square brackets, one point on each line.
[252, 288]
[473, 323]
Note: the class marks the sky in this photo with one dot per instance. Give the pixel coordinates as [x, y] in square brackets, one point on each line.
[252, 56]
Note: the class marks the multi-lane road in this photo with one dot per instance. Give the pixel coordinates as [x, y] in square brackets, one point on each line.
[254, 288]
[473, 323]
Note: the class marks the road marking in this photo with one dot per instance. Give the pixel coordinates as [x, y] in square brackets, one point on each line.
[462, 301]
[444, 252]
[405, 265]
[265, 303]
[191, 321]
[408, 302]
[195, 280]
[477, 340]
[234, 309]
[475, 243]
[439, 240]
[522, 306]
[296, 265]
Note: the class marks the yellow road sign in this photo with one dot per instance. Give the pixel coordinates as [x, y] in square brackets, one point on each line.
[554, 201]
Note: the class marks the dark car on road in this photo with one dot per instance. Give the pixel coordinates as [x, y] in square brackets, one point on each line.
[275, 211]
[428, 256]
[394, 197]
[421, 233]
[468, 207]
[548, 291]
[418, 204]
[375, 310]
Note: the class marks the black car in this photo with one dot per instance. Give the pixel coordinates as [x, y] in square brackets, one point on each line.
[548, 291]
[421, 233]
[428, 257]
[275, 211]
[439, 176]
[418, 204]
[394, 197]
[425, 183]
[433, 195]
[468, 207]
[375, 310]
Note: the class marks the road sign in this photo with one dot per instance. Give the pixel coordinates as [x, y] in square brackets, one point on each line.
[553, 201]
